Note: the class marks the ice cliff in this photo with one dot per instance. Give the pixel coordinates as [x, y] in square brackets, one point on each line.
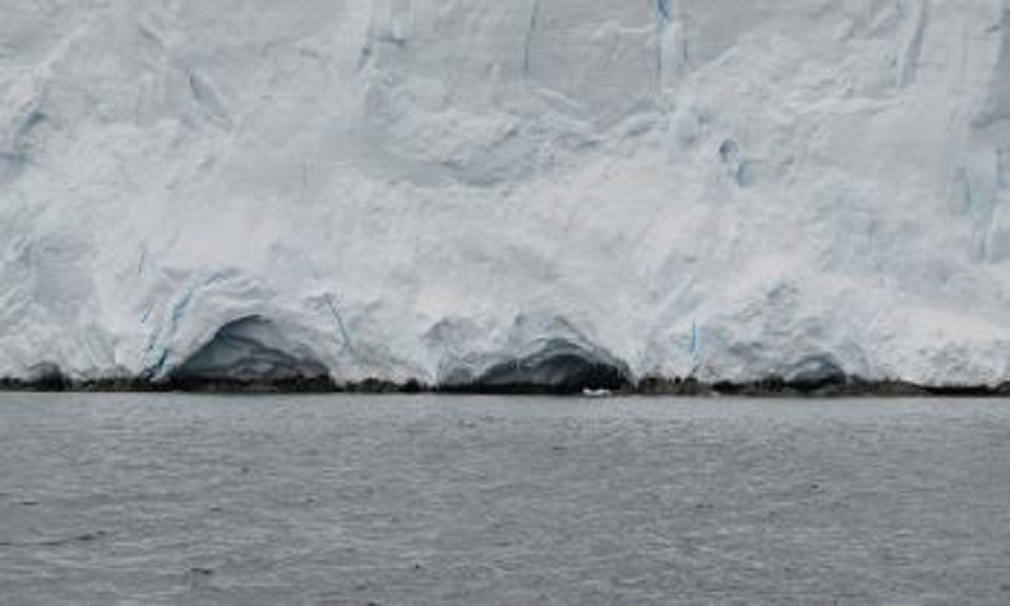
[441, 188]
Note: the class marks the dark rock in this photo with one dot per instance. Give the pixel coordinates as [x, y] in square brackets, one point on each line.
[413, 386]
[48, 377]
[961, 391]
[372, 386]
[656, 386]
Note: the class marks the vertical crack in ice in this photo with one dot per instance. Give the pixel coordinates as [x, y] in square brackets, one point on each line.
[208, 99]
[530, 31]
[16, 145]
[662, 24]
[401, 17]
[142, 263]
[339, 320]
[304, 196]
[671, 44]
[664, 10]
[984, 181]
[695, 348]
[980, 213]
[912, 56]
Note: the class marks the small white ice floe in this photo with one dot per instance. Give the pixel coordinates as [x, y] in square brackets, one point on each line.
[597, 393]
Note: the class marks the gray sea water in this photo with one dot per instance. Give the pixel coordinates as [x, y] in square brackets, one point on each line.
[177, 499]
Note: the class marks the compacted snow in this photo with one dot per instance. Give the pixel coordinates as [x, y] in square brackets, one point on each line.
[181, 500]
[431, 188]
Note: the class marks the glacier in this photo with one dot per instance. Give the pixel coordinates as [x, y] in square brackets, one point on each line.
[434, 189]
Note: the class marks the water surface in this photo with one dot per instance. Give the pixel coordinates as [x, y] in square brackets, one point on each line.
[171, 499]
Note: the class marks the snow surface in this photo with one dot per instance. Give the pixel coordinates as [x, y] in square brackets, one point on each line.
[408, 187]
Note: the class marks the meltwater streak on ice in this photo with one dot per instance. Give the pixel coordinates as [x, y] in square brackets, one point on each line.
[832, 177]
[171, 499]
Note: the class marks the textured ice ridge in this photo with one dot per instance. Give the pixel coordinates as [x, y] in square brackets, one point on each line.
[441, 188]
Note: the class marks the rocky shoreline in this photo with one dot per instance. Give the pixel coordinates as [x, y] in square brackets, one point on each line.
[771, 387]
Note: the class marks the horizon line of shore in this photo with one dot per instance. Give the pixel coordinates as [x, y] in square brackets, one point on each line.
[648, 386]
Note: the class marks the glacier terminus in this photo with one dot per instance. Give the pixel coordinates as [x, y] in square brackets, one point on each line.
[514, 192]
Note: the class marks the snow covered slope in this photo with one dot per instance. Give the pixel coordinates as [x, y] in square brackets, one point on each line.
[430, 188]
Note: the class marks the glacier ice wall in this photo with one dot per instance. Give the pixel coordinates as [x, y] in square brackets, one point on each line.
[419, 188]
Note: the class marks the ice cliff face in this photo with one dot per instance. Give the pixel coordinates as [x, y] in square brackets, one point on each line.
[432, 188]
